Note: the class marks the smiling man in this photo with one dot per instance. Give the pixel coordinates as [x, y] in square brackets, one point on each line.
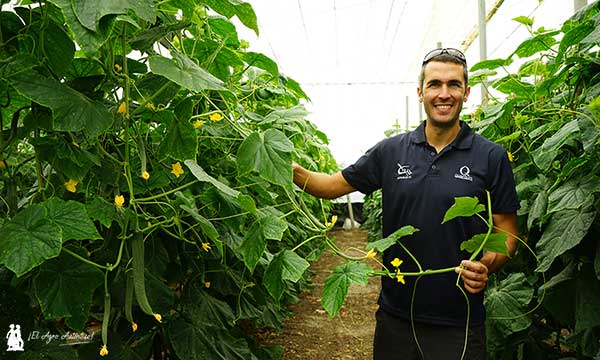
[420, 173]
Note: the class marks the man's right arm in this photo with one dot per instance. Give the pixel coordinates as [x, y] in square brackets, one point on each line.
[321, 185]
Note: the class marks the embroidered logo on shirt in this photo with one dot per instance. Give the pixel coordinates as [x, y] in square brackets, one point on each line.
[404, 172]
[464, 174]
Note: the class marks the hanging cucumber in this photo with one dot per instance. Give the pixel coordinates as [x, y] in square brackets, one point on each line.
[137, 251]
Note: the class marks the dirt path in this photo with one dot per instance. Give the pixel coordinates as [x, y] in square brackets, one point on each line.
[311, 334]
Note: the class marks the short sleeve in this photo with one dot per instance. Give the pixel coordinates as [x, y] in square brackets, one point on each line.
[502, 183]
[365, 174]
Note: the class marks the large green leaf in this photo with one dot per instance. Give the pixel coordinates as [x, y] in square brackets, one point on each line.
[207, 311]
[545, 154]
[73, 219]
[587, 299]
[573, 194]
[268, 227]
[29, 239]
[538, 208]
[229, 8]
[208, 229]
[540, 42]
[496, 242]
[71, 110]
[336, 285]
[565, 230]
[185, 72]
[242, 201]
[64, 287]
[262, 62]
[286, 265]
[491, 64]
[180, 142]
[463, 206]
[506, 304]
[89, 12]
[269, 154]
[384, 244]
[102, 211]
[89, 41]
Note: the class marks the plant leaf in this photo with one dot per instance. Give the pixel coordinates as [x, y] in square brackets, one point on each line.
[253, 247]
[184, 72]
[491, 64]
[336, 285]
[89, 12]
[573, 194]
[29, 239]
[64, 286]
[71, 110]
[565, 230]
[463, 206]
[269, 154]
[262, 62]
[384, 244]
[286, 265]
[180, 142]
[242, 10]
[73, 219]
[524, 20]
[506, 304]
[496, 242]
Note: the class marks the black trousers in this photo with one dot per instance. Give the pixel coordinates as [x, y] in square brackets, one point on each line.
[394, 340]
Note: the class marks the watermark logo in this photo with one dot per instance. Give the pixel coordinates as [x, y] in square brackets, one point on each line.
[404, 172]
[14, 341]
[464, 174]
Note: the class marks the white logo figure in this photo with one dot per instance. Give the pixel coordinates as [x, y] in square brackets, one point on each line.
[464, 174]
[14, 342]
[404, 172]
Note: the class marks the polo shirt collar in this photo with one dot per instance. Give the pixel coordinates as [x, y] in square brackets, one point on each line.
[463, 140]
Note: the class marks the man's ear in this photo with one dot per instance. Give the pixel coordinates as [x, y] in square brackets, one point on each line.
[420, 94]
[467, 92]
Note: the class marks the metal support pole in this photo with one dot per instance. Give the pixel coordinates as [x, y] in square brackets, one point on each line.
[350, 212]
[483, 46]
[406, 123]
[578, 4]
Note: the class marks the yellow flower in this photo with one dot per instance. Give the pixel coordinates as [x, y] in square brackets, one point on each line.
[71, 185]
[198, 123]
[151, 106]
[103, 350]
[122, 108]
[332, 222]
[400, 277]
[215, 117]
[176, 169]
[396, 262]
[119, 201]
[371, 254]
[134, 326]
[145, 175]
[158, 317]
[206, 246]
[207, 284]
[511, 158]
[118, 68]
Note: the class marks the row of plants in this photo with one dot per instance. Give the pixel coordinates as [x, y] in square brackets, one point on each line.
[146, 181]
[543, 304]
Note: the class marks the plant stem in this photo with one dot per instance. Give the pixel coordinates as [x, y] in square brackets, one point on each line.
[87, 261]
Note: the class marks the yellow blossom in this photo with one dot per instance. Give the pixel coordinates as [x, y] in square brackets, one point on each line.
[71, 185]
[119, 201]
[151, 106]
[371, 254]
[207, 284]
[103, 350]
[145, 175]
[206, 246]
[122, 108]
[118, 68]
[396, 262]
[158, 317]
[511, 157]
[215, 117]
[198, 123]
[332, 222]
[134, 326]
[176, 169]
[400, 277]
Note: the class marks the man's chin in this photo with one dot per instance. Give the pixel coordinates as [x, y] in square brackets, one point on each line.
[442, 123]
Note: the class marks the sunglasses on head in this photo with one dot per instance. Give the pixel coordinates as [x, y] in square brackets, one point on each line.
[455, 53]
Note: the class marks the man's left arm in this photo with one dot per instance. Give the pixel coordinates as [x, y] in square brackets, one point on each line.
[475, 273]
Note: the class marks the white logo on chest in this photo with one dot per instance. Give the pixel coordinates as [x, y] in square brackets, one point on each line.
[464, 174]
[404, 172]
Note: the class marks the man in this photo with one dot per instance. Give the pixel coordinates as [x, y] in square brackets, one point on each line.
[420, 173]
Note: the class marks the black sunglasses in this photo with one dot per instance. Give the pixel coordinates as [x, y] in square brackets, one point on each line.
[455, 53]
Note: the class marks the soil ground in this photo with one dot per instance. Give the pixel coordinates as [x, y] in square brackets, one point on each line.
[312, 334]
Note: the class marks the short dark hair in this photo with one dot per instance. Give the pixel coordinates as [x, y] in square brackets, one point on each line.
[446, 58]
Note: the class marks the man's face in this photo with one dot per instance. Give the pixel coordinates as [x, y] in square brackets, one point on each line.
[443, 93]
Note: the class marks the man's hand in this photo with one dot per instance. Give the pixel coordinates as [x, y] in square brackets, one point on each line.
[474, 275]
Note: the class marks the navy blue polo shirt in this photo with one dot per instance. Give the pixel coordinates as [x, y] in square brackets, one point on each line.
[418, 186]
